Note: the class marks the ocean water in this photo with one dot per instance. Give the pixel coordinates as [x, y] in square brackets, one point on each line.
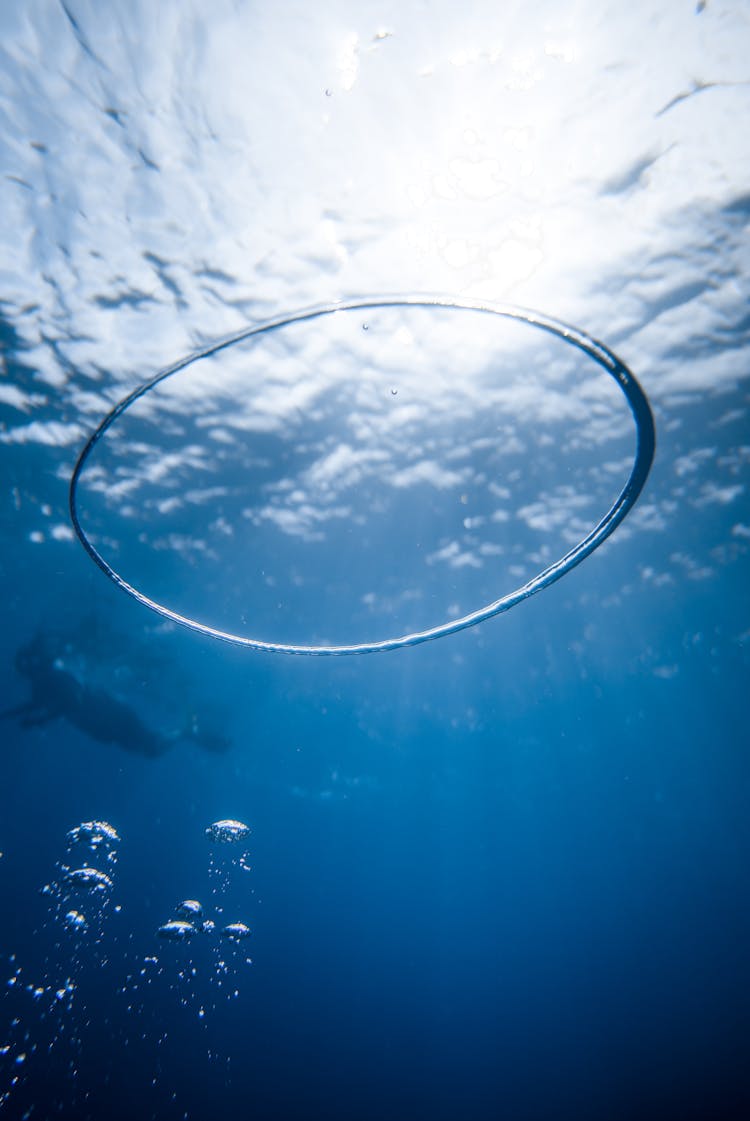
[501, 875]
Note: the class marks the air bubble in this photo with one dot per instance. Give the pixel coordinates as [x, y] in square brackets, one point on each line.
[176, 931]
[75, 920]
[236, 931]
[90, 879]
[605, 526]
[189, 909]
[93, 834]
[227, 831]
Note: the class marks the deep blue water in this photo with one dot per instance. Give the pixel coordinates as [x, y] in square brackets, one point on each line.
[501, 875]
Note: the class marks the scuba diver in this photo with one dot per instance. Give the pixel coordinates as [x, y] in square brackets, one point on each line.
[59, 694]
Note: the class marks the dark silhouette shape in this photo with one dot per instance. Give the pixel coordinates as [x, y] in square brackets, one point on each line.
[58, 694]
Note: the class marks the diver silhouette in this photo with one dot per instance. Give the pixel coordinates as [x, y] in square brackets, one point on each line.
[59, 694]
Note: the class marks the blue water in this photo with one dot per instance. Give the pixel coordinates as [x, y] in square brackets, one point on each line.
[500, 875]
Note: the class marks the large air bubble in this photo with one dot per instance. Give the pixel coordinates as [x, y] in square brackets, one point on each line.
[307, 445]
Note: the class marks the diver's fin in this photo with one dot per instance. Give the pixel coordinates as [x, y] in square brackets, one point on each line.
[212, 741]
[43, 716]
[18, 710]
[206, 738]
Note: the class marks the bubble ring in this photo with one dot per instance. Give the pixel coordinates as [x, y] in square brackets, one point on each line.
[644, 455]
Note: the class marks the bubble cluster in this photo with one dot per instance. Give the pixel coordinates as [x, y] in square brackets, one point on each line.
[82, 891]
[228, 834]
[79, 900]
[188, 915]
[201, 951]
[189, 926]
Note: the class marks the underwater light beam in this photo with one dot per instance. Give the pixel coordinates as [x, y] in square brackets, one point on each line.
[644, 455]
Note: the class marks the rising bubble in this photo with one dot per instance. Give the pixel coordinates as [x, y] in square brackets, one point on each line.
[94, 834]
[236, 931]
[189, 909]
[227, 831]
[176, 930]
[596, 351]
[89, 878]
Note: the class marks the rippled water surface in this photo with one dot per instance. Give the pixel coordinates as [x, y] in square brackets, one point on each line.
[499, 875]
